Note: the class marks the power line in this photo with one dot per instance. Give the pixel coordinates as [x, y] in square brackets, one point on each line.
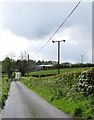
[43, 18]
[24, 18]
[59, 27]
[82, 58]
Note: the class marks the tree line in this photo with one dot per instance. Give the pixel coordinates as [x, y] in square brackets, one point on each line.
[9, 65]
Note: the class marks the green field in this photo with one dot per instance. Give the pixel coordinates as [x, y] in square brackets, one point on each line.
[45, 72]
[60, 90]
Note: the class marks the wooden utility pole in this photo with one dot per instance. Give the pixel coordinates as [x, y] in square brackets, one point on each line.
[28, 65]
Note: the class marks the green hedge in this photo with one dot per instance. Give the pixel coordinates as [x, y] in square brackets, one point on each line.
[4, 89]
[86, 82]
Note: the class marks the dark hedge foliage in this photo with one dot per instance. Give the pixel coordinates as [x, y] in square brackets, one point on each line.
[86, 82]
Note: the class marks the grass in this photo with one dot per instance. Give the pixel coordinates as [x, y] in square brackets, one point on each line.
[0, 86]
[45, 72]
[76, 109]
[4, 89]
[59, 90]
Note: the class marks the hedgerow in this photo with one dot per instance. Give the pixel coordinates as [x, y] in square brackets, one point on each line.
[5, 89]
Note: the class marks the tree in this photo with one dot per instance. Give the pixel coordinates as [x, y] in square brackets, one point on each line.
[12, 55]
[39, 62]
[8, 66]
[22, 64]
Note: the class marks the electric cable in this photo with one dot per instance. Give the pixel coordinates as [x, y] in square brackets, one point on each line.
[58, 28]
[43, 18]
[26, 20]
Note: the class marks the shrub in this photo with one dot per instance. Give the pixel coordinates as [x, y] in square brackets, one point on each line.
[78, 112]
[5, 89]
[86, 82]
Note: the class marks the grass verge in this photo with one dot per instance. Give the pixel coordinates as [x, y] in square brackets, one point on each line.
[4, 89]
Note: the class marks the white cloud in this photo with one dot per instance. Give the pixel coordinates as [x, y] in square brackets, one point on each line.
[78, 43]
[45, 1]
[9, 42]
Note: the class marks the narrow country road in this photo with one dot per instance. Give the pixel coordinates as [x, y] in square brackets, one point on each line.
[24, 103]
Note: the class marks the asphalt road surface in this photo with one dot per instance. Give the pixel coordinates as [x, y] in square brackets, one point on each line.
[24, 103]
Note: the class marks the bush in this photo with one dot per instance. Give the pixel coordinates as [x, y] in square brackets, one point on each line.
[78, 112]
[86, 82]
[5, 88]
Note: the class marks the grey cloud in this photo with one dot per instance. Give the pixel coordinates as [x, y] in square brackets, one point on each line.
[22, 20]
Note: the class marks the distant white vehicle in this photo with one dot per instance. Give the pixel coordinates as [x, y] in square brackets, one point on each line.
[17, 76]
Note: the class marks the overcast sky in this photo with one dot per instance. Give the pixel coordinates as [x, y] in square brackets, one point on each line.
[27, 26]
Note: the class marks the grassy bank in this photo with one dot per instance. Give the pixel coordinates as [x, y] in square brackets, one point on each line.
[0, 95]
[63, 92]
[4, 89]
